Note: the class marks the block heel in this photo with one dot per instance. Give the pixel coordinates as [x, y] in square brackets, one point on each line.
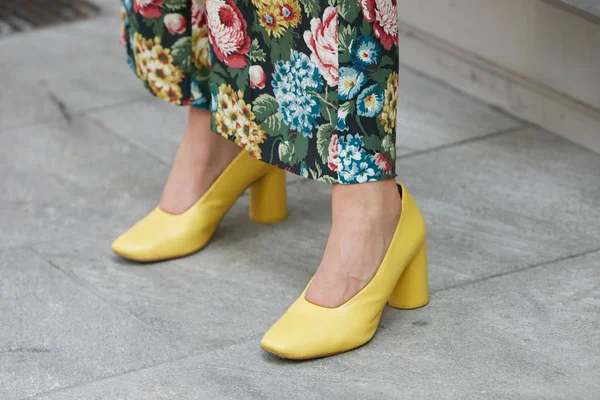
[268, 198]
[412, 289]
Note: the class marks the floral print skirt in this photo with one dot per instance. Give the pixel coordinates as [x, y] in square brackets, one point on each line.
[309, 86]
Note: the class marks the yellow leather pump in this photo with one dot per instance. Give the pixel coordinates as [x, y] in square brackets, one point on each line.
[308, 330]
[161, 236]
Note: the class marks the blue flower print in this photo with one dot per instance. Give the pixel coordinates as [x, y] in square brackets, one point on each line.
[342, 115]
[351, 80]
[214, 101]
[356, 166]
[303, 170]
[128, 5]
[131, 63]
[370, 101]
[365, 52]
[354, 142]
[295, 84]
[292, 82]
[367, 171]
[198, 99]
[211, 56]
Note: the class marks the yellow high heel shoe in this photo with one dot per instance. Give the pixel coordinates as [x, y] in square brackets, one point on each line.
[307, 330]
[161, 236]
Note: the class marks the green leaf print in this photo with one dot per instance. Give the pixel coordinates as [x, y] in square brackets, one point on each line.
[347, 33]
[344, 57]
[381, 76]
[256, 27]
[312, 8]
[323, 139]
[201, 74]
[318, 171]
[181, 50]
[159, 28]
[300, 149]
[217, 80]
[281, 48]
[386, 60]
[286, 151]
[256, 53]
[328, 113]
[176, 4]
[186, 65]
[133, 22]
[329, 101]
[264, 106]
[242, 79]
[366, 29]
[274, 126]
[349, 9]
[388, 145]
[380, 129]
[219, 70]
[328, 179]
[349, 107]
[156, 24]
[372, 142]
[308, 99]
[332, 97]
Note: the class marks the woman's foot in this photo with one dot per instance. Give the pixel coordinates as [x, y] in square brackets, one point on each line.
[209, 167]
[200, 159]
[364, 218]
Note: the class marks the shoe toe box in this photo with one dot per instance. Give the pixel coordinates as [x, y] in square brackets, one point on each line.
[308, 331]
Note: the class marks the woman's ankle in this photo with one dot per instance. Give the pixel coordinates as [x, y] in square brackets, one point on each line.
[366, 200]
[201, 158]
[365, 217]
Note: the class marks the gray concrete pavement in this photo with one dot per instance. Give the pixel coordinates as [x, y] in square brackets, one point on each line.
[514, 240]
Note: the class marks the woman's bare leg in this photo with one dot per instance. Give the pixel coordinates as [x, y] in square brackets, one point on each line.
[201, 157]
[365, 217]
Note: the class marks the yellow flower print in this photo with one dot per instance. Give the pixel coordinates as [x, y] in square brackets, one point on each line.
[270, 17]
[387, 118]
[163, 88]
[290, 12]
[250, 137]
[200, 53]
[142, 53]
[170, 93]
[235, 118]
[154, 65]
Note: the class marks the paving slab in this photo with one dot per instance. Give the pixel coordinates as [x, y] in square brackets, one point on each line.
[471, 236]
[72, 179]
[192, 300]
[61, 70]
[109, 7]
[504, 203]
[191, 380]
[54, 334]
[80, 316]
[526, 335]
[431, 115]
[151, 124]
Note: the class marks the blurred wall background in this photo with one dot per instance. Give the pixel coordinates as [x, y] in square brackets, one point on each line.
[537, 59]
